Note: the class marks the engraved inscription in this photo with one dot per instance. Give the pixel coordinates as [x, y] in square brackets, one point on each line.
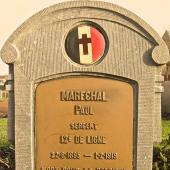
[72, 168]
[86, 122]
[64, 155]
[83, 110]
[95, 139]
[105, 155]
[78, 139]
[70, 95]
[77, 155]
[83, 126]
[66, 139]
[58, 168]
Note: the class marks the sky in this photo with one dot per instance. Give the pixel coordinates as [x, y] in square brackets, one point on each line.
[14, 12]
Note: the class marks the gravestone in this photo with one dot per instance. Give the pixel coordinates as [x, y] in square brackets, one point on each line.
[86, 81]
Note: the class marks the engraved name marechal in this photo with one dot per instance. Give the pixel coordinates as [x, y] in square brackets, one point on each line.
[71, 95]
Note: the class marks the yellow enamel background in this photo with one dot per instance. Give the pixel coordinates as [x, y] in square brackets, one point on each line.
[113, 120]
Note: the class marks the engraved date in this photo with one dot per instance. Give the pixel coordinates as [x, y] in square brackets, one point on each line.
[105, 156]
[77, 155]
[64, 155]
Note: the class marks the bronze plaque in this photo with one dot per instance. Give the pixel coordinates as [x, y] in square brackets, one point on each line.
[84, 123]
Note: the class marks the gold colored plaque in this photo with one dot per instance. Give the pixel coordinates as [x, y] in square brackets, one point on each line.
[84, 123]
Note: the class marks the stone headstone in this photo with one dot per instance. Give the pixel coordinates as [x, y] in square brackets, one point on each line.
[87, 88]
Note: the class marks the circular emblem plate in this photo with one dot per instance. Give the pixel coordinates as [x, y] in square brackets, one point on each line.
[85, 44]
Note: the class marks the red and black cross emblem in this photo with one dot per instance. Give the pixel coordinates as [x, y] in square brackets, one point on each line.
[85, 44]
[85, 40]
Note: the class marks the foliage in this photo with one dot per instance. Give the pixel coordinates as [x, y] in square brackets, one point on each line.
[161, 154]
[3, 133]
[7, 152]
[165, 129]
[7, 158]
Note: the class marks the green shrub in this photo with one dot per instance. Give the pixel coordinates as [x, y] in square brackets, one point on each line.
[7, 152]
[7, 158]
[3, 133]
[161, 155]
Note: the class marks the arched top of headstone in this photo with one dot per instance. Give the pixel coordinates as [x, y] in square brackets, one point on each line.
[85, 10]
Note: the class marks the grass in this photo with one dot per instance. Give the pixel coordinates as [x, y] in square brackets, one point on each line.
[7, 151]
[161, 152]
[165, 129]
[3, 132]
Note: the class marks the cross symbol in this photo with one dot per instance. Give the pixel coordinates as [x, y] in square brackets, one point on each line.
[85, 42]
